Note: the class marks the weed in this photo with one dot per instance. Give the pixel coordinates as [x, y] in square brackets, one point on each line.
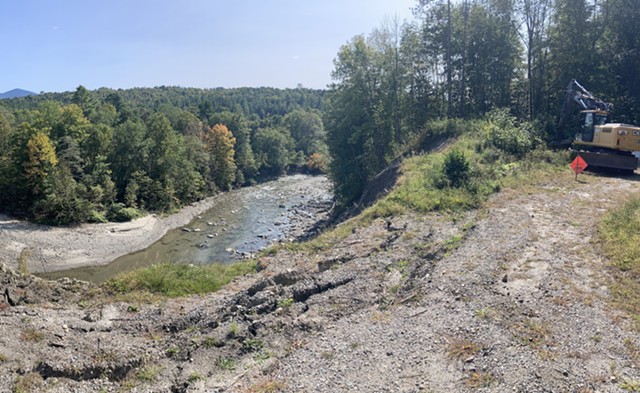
[179, 280]
[452, 244]
[194, 377]
[23, 261]
[328, 355]
[210, 342]
[148, 373]
[226, 363]
[28, 383]
[631, 385]
[532, 333]
[233, 330]
[285, 303]
[394, 289]
[461, 349]
[268, 386]
[171, 352]
[269, 252]
[3, 357]
[355, 345]
[261, 356]
[252, 345]
[479, 380]
[485, 313]
[132, 309]
[31, 334]
[105, 356]
[632, 349]
[153, 336]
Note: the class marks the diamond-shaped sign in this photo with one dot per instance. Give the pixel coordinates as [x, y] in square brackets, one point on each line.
[578, 165]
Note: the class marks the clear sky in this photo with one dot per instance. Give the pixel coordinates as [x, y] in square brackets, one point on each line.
[56, 45]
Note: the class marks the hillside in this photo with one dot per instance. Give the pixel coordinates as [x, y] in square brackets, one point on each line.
[509, 297]
[16, 93]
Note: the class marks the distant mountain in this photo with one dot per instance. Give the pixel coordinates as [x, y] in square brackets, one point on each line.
[16, 93]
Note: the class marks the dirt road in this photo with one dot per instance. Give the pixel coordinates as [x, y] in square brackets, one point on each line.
[512, 297]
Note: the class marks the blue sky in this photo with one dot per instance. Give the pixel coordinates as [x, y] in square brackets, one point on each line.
[56, 45]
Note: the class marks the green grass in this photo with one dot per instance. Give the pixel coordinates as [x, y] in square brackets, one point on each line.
[226, 363]
[148, 373]
[619, 235]
[423, 186]
[179, 280]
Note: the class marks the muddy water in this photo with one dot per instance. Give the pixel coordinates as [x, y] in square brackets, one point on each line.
[241, 223]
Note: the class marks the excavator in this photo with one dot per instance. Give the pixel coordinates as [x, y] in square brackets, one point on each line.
[600, 143]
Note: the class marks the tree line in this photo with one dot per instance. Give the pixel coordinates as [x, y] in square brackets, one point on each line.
[464, 58]
[100, 155]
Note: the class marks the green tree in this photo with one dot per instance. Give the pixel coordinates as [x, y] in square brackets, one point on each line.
[358, 145]
[273, 149]
[307, 130]
[129, 153]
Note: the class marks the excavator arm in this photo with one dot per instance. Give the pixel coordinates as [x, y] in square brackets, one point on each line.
[576, 92]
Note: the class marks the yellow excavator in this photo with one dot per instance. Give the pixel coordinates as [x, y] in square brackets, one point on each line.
[600, 143]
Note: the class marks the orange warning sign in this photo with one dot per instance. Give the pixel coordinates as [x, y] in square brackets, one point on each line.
[578, 165]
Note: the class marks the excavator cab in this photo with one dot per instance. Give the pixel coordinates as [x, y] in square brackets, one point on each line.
[592, 118]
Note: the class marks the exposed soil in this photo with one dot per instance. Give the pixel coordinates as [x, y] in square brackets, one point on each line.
[512, 297]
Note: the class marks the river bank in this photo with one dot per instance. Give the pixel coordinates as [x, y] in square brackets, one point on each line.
[59, 248]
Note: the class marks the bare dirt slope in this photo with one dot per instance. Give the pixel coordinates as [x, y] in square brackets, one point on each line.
[512, 297]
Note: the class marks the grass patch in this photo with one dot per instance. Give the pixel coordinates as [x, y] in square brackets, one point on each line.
[179, 280]
[32, 334]
[28, 383]
[534, 334]
[210, 342]
[630, 385]
[147, 374]
[478, 380]
[226, 363]
[268, 386]
[461, 349]
[619, 236]
[426, 184]
[195, 377]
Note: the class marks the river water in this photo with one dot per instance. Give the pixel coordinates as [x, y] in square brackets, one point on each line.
[241, 223]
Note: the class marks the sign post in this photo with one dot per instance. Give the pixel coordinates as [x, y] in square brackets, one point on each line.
[578, 165]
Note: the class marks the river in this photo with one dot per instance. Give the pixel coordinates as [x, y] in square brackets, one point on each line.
[241, 223]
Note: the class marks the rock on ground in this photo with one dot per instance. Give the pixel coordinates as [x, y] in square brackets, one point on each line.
[509, 298]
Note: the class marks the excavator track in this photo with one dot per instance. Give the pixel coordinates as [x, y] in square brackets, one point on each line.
[608, 160]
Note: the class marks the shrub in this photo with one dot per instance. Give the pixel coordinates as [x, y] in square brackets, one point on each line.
[456, 168]
[505, 133]
[119, 213]
[317, 163]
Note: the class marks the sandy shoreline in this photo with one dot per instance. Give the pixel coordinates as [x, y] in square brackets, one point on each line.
[58, 248]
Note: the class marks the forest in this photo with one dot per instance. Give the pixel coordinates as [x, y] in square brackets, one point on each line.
[108, 154]
[464, 59]
[93, 156]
